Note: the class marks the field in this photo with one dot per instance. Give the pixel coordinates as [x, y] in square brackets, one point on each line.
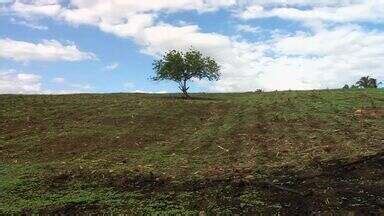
[247, 153]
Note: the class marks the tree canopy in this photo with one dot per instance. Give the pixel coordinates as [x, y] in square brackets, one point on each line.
[367, 82]
[181, 67]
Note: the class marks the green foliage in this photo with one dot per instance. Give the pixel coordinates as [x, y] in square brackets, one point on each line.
[367, 82]
[181, 67]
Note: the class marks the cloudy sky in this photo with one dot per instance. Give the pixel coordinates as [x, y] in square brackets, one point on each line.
[64, 46]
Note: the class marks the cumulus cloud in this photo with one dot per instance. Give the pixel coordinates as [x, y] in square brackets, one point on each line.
[121, 17]
[247, 28]
[325, 59]
[238, 59]
[29, 24]
[145, 6]
[36, 7]
[12, 82]
[47, 50]
[336, 11]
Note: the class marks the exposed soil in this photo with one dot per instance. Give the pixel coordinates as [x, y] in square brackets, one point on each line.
[69, 209]
[353, 188]
[67, 145]
[370, 112]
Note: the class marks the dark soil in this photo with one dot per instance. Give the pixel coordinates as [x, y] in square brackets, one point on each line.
[353, 188]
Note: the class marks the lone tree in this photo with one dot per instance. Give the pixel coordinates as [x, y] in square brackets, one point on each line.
[181, 67]
[367, 82]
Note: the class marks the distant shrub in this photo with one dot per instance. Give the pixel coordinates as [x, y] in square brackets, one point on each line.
[367, 82]
[364, 82]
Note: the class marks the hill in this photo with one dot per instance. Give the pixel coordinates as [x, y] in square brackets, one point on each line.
[274, 152]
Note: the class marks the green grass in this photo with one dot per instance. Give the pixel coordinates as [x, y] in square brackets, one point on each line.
[93, 141]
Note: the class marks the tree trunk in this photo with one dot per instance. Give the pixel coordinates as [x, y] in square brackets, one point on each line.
[183, 87]
[186, 95]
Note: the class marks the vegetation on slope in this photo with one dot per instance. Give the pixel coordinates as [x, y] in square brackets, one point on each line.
[286, 152]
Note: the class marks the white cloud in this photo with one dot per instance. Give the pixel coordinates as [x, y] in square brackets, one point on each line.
[342, 41]
[121, 17]
[322, 57]
[12, 82]
[247, 28]
[37, 7]
[145, 6]
[149, 92]
[111, 66]
[290, 3]
[239, 60]
[48, 50]
[29, 24]
[163, 37]
[343, 11]
[128, 17]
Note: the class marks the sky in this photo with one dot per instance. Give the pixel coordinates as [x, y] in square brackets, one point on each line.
[76, 46]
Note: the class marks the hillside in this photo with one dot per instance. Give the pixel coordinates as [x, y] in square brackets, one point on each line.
[281, 152]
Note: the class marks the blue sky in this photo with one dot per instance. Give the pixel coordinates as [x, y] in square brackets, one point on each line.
[54, 46]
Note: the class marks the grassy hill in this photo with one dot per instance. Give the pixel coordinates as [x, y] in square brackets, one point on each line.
[280, 152]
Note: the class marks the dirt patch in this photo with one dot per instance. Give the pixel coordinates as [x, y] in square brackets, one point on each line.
[339, 186]
[353, 187]
[142, 182]
[15, 128]
[69, 209]
[73, 144]
[116, 121]
[61, 178]
[370, 112]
